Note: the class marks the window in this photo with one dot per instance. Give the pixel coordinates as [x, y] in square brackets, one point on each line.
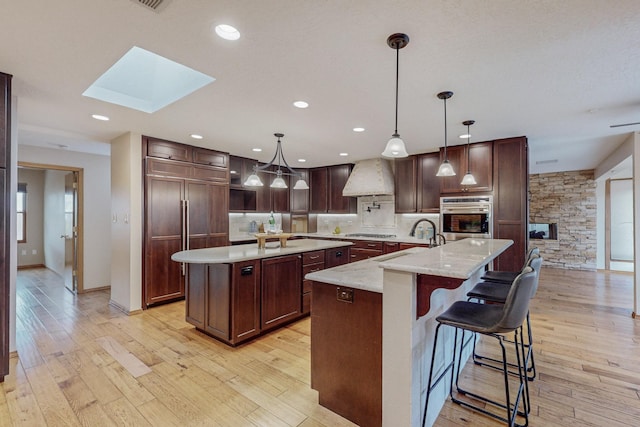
[21, 208]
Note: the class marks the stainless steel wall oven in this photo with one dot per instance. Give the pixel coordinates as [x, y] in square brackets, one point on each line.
[466, 216]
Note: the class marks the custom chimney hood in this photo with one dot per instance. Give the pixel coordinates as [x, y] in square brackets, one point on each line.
[372, 177]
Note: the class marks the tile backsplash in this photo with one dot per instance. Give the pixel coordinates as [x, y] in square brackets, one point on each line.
[375, 215]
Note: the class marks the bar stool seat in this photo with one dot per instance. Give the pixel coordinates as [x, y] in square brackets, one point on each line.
[509, 276]
[494, 320]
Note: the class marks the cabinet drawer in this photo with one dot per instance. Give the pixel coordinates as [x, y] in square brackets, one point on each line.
[210, 157]
[313, 257]
[168, 150]
[360, 254]
[367, 244]
[306, 286]
[312, 268]
[210, 174]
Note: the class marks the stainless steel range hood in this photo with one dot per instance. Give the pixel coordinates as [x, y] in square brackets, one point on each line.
[371, 177]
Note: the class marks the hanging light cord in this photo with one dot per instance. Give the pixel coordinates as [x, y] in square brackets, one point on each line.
[468, 146]
[445, 129]
[397, 73]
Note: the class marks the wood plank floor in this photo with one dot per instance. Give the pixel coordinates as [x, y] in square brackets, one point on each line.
[82, 362]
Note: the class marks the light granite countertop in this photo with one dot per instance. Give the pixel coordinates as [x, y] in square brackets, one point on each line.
[342, 236]
[230, 254]
[458, 259]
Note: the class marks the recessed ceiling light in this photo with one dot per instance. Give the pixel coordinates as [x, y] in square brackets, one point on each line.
[344, 154]
[358, 129]
[100, 117]
[227, 32]
[196, 136]
[256, 149]
[301, 104]
[302, 160]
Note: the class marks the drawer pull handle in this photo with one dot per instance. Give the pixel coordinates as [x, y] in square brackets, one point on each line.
[338, 254]
[314, 257]
[246, 271]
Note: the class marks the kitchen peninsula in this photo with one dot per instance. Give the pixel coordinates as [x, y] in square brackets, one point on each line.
[235, 293]
[373, 323]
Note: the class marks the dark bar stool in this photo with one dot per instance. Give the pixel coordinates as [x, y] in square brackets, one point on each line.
[508, 276]
[492, 320]
[496, 292]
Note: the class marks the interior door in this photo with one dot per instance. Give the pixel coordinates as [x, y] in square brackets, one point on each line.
[70, 235]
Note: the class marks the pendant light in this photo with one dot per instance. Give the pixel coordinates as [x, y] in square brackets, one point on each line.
[395, 147]
[445, 168]
[254, 180]
[468, 179]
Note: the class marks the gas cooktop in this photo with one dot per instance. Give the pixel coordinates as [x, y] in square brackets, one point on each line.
[373, 235]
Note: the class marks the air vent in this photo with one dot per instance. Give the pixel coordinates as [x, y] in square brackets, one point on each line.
[151, 4]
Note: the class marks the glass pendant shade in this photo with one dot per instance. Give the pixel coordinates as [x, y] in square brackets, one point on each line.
[278, 183]
[446, 169]
[301, 184]
[395, 147]
[468, 179]
[253, 181]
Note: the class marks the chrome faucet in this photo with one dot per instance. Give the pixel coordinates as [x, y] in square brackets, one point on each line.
[433, 241]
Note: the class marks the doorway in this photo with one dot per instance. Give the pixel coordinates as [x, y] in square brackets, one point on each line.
[62, 222]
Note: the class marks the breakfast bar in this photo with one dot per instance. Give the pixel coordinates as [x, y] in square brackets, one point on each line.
[386, 306]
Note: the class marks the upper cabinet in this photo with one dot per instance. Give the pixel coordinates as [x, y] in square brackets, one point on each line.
[326, 184]
[255, 199]
[480, 165]
[417, 188]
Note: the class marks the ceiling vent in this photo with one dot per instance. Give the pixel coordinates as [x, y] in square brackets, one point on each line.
[151, 4]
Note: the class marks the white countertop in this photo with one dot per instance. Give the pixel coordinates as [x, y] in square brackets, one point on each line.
[230, 254]
[458, 259]
[399, 239]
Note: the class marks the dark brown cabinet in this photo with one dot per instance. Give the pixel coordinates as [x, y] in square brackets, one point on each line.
[481, 166]
[510, 204]
[417, 189]
[337, 256]
[311, 262]
[255, 199]
[186, 207]
[281, 290]
[363, 249]
[326, 184]
[223, 300]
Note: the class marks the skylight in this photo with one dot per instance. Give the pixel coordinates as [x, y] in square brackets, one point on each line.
[146, 82]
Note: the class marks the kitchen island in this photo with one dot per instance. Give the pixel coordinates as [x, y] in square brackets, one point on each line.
[373, 324]
[235, 293]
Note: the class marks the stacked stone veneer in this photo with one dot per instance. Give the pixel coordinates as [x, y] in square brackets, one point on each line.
[568, 199]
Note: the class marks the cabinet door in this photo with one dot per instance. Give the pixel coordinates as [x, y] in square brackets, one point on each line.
[481, 166]
[280, 196]
[167, 149]
[299, 198]
[337, 256]
[428, 183]
[164, 223]
[263, 194]
[457, 158]
[203, 156]
[318, 190]
[246, 300]
[219, 215]
[195, 295]
[338, 176]
[281, 290]
[199, 212]
[406, 184]
[510, 207]
[391, 247]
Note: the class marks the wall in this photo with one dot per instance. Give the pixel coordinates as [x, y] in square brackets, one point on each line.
[34, 218]
[568, 199]
[96, 206]
[126, 222]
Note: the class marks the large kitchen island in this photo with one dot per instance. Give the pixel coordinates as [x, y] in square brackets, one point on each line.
[236, 293]
[372, 328]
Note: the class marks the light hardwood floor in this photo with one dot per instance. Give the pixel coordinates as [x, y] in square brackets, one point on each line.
[82, 362]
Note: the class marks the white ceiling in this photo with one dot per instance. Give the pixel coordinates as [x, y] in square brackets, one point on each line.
[559, 72]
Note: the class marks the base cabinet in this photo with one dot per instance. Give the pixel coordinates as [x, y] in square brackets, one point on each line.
[346, 352]
[281, 290]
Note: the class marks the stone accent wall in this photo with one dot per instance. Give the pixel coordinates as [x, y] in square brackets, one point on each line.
[568, 199]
